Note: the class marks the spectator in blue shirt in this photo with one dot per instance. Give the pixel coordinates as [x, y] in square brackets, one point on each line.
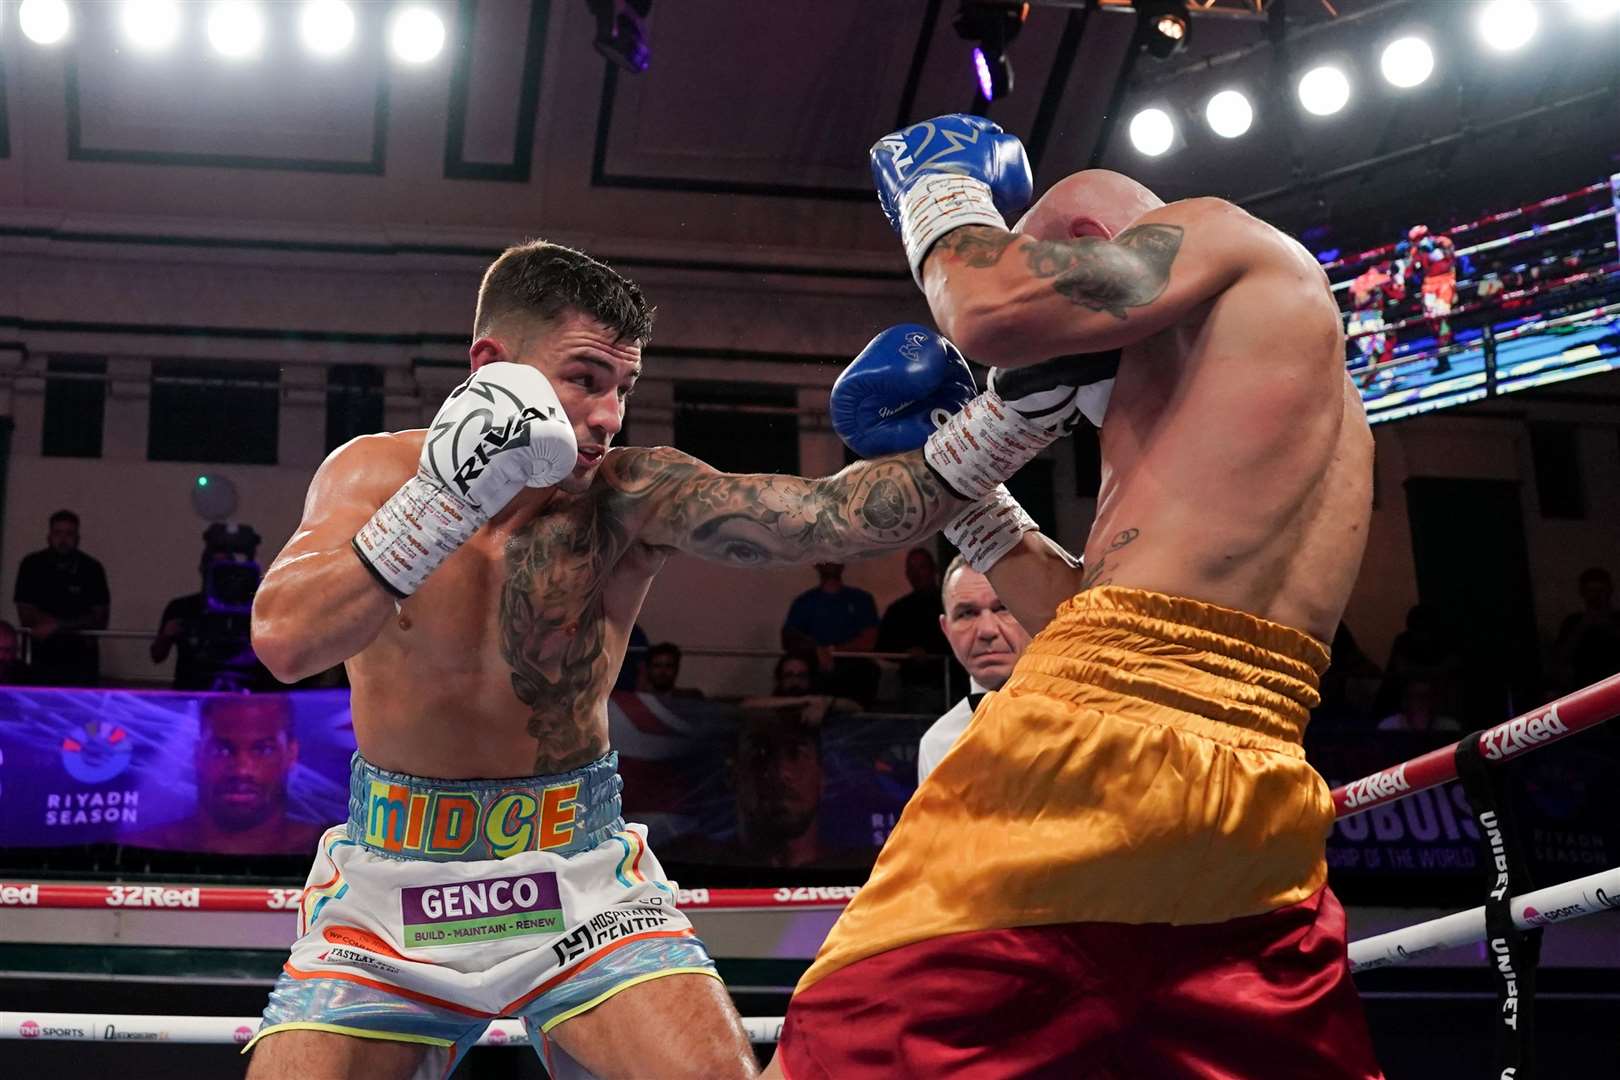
[834, 616]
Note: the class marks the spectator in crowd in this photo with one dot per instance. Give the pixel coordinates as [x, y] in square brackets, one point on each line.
[664, 668]
[795, 675]
[1350, 684]
[834, 616]
[635, 660]
[1588, 646]
[911, 625]
[1424, 706]
[986, 639]
[60, 592]
[1427, 646]
[180, 631]
[212, 646]
[245, 751]
[10, 654]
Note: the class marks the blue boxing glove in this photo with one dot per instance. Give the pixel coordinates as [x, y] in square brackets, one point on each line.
[885, 401]
[945, 173]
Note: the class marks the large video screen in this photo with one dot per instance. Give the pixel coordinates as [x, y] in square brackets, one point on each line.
[1521, 298]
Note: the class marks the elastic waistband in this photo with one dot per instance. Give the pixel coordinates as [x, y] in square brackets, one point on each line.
[1157, 652]
[416, 817]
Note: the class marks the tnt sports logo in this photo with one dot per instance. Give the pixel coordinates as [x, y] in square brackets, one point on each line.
[241, 1035]
[96, 752]
[28, 1029]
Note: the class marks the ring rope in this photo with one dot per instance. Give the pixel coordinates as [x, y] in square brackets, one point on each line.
[1496, 301]
[1573, 713]
[174, 896]
[1489, 219]
[1555, 904]
[1513, 238]
[138, 1027]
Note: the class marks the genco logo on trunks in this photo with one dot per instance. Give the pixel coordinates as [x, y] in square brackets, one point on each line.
[1522, 733]
[1380, 785]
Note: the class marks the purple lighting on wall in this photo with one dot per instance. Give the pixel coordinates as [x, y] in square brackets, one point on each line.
[981, 68]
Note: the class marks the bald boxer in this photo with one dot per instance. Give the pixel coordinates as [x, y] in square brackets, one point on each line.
[1119, 869]
[480, 579]
[985, 638]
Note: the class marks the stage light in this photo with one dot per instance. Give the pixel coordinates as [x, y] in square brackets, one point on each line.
[44, 22]
[621, 33]
[327, 26]
[1152, 132]
[1593, 10]
[1324, 90]
[1506, 25]
[1163, 26]
[151, 25]
[235, 29]
[991, 26]
[417, 35]
[1407, 62]
[1229, 114]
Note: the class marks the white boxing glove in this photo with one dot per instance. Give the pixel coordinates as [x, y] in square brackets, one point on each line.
[498, 432]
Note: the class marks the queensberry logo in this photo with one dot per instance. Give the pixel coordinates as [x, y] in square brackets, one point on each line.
[458, 912]
[96, 752]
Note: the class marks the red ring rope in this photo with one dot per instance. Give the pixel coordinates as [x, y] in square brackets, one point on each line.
[1585, 708]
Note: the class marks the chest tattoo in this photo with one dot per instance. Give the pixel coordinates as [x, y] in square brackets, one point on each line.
[552, 622]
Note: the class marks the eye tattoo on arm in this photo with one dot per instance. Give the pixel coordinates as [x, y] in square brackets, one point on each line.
[757, 519]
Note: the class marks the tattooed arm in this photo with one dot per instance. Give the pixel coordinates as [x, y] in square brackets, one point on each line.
[755, 520]
[1011, 300]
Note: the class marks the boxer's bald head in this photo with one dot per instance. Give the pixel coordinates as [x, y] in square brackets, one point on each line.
[1092, 202]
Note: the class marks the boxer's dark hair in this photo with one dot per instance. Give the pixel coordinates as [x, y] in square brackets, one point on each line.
[544, 280]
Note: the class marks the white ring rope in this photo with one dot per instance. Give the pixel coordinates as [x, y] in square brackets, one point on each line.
[1555, 904]
[1575, 899]
[135, 1027]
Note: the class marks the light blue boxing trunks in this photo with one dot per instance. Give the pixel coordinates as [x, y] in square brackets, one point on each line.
[444, 904]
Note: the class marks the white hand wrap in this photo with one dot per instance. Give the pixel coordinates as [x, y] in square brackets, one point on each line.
[938, 203]
[984, 444]
[419, 527]
[987, 530]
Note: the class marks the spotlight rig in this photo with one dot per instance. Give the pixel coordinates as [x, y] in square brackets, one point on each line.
[991, 25]
[1163, 26]
[621, 32]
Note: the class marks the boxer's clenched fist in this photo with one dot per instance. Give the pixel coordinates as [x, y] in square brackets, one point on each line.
[500, 431]
[945, 173]
[886, 399]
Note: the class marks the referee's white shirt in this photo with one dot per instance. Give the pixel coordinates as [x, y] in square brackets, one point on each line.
[943, 733]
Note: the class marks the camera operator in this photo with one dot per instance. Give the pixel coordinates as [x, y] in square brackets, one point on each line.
[209, 628]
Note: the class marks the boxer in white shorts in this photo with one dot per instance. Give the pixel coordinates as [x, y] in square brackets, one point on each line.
[479, 580]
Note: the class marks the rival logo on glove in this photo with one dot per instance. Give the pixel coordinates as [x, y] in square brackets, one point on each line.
[515, 432]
